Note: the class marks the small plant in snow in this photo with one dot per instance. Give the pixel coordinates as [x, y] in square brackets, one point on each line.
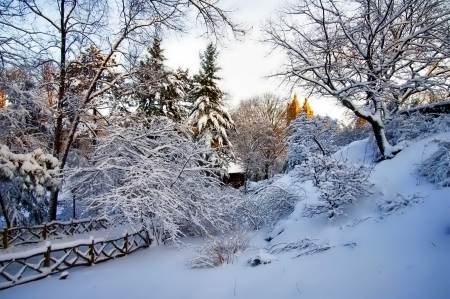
[398, 203]
[267, 205]
[306, 246]
[437, 168]
[339, 183]
[262, 258]
[220, 250]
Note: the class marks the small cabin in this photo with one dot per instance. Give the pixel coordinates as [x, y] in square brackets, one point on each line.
[236, 175]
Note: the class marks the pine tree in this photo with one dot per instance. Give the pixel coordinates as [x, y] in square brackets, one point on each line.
[159, 89]
[209, 117]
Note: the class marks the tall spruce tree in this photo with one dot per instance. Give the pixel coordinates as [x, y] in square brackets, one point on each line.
[209, 117]
[161, 90]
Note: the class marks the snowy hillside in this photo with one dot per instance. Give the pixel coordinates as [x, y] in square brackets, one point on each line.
[371, 253]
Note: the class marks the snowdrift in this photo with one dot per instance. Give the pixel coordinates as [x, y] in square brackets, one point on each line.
[400, 252]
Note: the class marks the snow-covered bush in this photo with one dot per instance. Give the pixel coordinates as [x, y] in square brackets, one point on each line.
[415, 127]
[437, 168]
[266, 205]
[152, 172]
[220, 250]
[25, 180]
[311, 135]
[38, 170]
[339, 183]
[398, 203]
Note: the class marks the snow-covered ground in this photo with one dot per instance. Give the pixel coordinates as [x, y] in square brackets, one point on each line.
[402, 255]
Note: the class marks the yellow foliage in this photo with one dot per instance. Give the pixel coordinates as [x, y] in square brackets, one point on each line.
[293, 109]
[307, 109]
[2, 99]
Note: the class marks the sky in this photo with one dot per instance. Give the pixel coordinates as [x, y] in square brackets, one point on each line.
[246, 63]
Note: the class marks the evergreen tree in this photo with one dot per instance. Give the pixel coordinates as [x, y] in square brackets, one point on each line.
[209, 117]
[160, 90]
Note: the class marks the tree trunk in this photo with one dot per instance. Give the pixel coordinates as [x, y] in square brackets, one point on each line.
[53, 207]
[386, 149]
[60, 106]
[5, 214]
[266, 171]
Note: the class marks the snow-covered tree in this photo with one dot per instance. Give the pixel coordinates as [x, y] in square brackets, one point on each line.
[153, 173]
[311, 135]
[259, 137]
[209, 117]
[25, 180]
[35, 32]
[371, 56]
[161, 91]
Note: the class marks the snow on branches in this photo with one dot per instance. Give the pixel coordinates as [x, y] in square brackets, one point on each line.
[268, 204]
[311, 135]
[437, 168]
[39, 171]
[339, 183]
[152, 172]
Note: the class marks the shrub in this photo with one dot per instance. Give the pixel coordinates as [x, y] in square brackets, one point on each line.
[220, 250]
[267, 205]
[339, 183]
[437, 168]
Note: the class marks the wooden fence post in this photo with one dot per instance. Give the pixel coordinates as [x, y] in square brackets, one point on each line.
[5, 238]
[71, 229]
[126, 243]
[92, 252]
[149, 240]
[47, 256]
[44, 232]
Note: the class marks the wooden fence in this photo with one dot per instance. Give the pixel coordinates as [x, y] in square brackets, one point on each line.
[34, 234]
[35, 264]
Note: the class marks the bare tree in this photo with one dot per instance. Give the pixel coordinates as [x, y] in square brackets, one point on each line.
[260, 133]
[371, 56]
[36, 32]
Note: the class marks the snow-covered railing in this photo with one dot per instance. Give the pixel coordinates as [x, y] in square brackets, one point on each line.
[34, 234]
[21, 267]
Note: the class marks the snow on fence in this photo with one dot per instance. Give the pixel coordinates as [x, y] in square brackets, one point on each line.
[21, 267]
[34, 234]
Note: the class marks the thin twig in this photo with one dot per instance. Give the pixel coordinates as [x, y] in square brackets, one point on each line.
[296, 285]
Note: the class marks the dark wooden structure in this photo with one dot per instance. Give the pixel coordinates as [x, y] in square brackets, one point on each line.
[33, 234]
[435, 108]
[22, 267]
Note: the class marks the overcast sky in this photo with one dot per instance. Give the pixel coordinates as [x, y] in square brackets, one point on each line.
[245, 63]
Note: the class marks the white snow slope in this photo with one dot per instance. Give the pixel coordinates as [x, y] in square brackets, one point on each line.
[403, 255]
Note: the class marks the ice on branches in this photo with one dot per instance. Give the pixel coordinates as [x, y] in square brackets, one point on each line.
[152, 172]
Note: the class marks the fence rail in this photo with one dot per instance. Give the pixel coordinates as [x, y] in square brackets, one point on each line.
[35, 264]
[34, 234]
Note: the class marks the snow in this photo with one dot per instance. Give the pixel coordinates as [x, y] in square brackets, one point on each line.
[365, 255]
[235, 168]
[360, 151]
